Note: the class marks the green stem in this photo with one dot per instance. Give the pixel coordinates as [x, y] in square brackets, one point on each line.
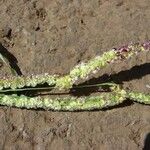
[72, 103]
[50, 88]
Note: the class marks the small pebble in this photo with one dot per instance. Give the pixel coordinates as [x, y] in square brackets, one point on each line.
[7, 31]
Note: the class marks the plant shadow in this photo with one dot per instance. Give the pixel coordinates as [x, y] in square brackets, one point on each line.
[135, 72]
[11, 59]
[147, 142]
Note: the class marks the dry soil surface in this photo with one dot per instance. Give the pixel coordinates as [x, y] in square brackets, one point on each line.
[53, 36]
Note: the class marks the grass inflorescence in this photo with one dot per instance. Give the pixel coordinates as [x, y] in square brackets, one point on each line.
[106, 99]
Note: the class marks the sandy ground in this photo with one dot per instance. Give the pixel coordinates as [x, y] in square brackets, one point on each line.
[53, 36]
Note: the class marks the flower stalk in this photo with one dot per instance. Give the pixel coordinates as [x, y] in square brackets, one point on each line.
[70, 103]
[81, 71]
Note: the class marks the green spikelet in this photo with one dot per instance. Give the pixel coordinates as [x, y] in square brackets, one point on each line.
[139, 97]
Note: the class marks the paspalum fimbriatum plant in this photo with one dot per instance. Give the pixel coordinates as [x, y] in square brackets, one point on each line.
[115, 96]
